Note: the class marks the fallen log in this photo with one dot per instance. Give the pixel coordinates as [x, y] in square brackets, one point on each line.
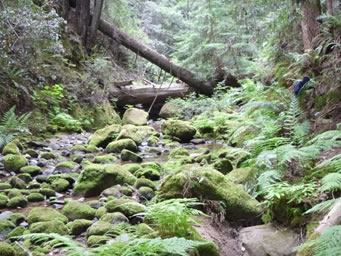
[145, 94]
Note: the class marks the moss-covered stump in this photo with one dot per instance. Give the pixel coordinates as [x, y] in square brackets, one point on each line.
[128, 207]
[32, 170]
[104, 136]
[135, 133]
[119, 145]
[127, 155]
[6, 249]
[95, 178]
[13, 163]
[208, 183]
[179, 129]
[6, 227]
[11, 148]
[114, 218]
[135, 116]
[41, 214]
[78, 227]
[75, 210]
[53, 226]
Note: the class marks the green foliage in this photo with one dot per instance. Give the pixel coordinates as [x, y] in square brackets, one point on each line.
[12, 125]
[323, 207]
[173, 217]
[49, 98]
[331, 182]
[65, 122]
[329, 243]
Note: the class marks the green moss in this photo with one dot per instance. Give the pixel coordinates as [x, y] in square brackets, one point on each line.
[119, 145]
[101, 228]
[11, 148]
[60, 185]
[105, 159]
[143, 182]
[35, 197]
[146, 193]
[148, 173]
[103, 137]
[127, 155]
[132, 168]
[53, 226]
[179, 129]
[135, 133]
[65, 167]
[5, 185]
[78, 227]
[41, 214]
[125, 206]
[143, 229]
[223, 165]
[100, 212]
[6, 249]
[75, 210]
[241, 175]
[33, 170]
[92, 149]
[153, 141]
[95, 241]
[17, 218]
[18, 201]
[47, 155]
[13, 192]
[18, 231]
[114, 218]
[3, 201]
[135, 116]
[33, 153]
[78, 148]
[6, 227]
[13, 163]
[47, 192]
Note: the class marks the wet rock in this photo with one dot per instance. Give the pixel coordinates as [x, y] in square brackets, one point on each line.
[170, 110]
[37, 144]
[119, 145]
[146, 193]
[34, 185]
[178, 152]
[197, 141]
[53, 226]
[266, 240]
[101, 228]
[105, 159]
[13, 193]
[128, 207]
[103, 137]
[13, 163]
[114, 218]
[60, 185]
[3, 201]
[47, 155]
[16, 182]
[33, 153]
[32, 170]
[100, 212]
[6, 214]
[6, 227]
[78, 148]
[41, 214]
[35, 197]
[65, 167]
[11, 148]
[112, 191]
[148, 173]
[135, 133]
[179, 129]
[127, 155]
[153, 141]
[223, 165]
[95, 241]
[17, 201]
[135, 116]
[6, 249]
[78, 227]
[17, 218]
[25, 177]
[143, 182]
[47, 192]
[75, 210]
[77, 158]
[208, 183]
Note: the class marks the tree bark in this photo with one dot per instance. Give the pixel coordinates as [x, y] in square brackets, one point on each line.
[156, 58]
[332, 6]
[311, 9]
[83, 18]
[65, 9]
[95, 22]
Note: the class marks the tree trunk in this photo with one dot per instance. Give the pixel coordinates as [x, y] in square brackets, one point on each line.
[95, 22]
[311, 9]
[332, 6]
[156, 58]
[65, 9]
[83, 18]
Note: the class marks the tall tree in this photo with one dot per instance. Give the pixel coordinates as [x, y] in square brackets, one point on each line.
[83, 18]
[98, 6]
[311, 9]
[332, 6]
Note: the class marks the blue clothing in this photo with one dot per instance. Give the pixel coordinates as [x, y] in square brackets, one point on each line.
[300, 84]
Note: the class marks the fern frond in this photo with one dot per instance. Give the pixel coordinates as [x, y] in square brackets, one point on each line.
[268, 178]
[323, 207]
[329, 242]
[331, 182]
[288, 153]
[333, 163]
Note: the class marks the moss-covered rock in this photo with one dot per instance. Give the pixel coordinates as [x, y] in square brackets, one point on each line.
[16, 182]
[135, 133]
[65, 167]
[6, 227]
[47, 155]
[153, 141]
[119, 145]
[18, 201]
[207, 183]
[103, 137]
[148, 173]
[92, 149]
[53, 226]
[241, 175]
[95, 178]
[135, 116]
[131, 167]
[125, 206]
[112, 191]
[17, 218]
[114, 218]
[100, 212]
[143, 182]
[146, 193]
[3, 201]
[31, 152]
[179, 129]
[75, 210]
[6, 249]
[18, 231]
[95, 241]
[101, 228]
[170, 110]
[13, 163]
[178, 152]
[223, 165]
[41, 214]
[13, 193]
[60, 185]
[32, 170]
[80, 148]
[35, 197]
[11, 148]
[5, 185]
[127, 155]
[105, 159]
[78, 227]
[47, 192]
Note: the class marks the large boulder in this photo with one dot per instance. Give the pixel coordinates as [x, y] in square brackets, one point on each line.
[208, 183]
[135, 133]
[119, 145]
[53, 226]
[266, 240]
[135, 116]
[11, 148]
[6, 227]
[75, 210]
[41, 214]
[95, 178]
[179, 129]
[170, 110]
[104, 136]
[13, 163]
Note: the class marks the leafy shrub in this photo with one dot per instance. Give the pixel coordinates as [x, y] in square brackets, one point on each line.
[49, 98]
[65, 122]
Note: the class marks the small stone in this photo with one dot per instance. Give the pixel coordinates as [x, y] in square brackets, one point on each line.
[47, 155]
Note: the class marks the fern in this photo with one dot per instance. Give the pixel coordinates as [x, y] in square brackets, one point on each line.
[329, 242]
[323, 207]
[268, 178]
[331, 182]
[333, 163]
